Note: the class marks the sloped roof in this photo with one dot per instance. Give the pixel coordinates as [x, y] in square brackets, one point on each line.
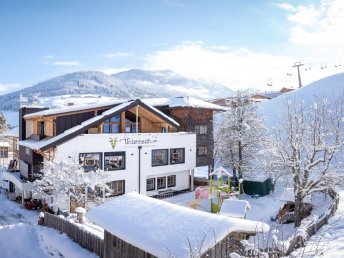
[164, 229]
[234, 208]
[47, 143]
[187, 101]
[71, 109]
[171, 102]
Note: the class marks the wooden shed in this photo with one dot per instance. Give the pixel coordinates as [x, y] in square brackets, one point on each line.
[141, 226]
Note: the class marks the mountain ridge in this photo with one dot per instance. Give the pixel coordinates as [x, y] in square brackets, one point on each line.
[127, 84]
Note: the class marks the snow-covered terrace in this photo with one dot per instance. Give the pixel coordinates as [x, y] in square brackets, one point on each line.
[164, 229]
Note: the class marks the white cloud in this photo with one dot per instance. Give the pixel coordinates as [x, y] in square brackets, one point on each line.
[285, 6]
[9, 87]
[239, 68]
[318, 26]
[67, 63]
[119, 54]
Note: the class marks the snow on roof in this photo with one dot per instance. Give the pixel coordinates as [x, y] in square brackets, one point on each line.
[13, 132]
[234, 208]
[289, 196]
[34, 144]
[164, 229]
[4, 144]
[256, 178]
[172, 102]
[70, 109]
[220, 171]
[183, 102]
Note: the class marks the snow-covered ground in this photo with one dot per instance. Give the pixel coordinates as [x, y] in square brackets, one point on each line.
[20, 236]
[263, 209]
[329, 240]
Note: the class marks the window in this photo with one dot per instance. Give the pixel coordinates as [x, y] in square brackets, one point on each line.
[201, 129]
[41, 128]
[161, 182]
[3, 152]
[90, 161]
[130, 127]
[159, 157]
[116, 187]
[177, 156]
[201, 151]
[150, 184]
[112, 125]
[171, 181]
[164, 129]
[114, 160]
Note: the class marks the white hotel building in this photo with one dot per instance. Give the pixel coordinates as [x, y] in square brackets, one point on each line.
[135, 143]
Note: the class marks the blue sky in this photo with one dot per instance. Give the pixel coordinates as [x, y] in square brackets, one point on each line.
[234, 42]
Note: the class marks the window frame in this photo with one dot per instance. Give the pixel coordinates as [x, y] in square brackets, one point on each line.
[164, 183]
[201, 129]
[110, 122]
[120, 154]
[117, 182]
[174, 180]
[150, 189]
[205, 152]
[173, 152]
[164, 158]
[100, 161]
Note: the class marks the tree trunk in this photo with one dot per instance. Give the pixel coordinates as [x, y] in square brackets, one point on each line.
[240, 159]
[298, 209]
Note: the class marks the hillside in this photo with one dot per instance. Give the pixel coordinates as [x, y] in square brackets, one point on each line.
[124, 85]
[329, 87]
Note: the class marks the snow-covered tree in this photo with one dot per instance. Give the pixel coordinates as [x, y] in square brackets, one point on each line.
[305, 144]
[66, 180]
[3, 124]
[239, 134]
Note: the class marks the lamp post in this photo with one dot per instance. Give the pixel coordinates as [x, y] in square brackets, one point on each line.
[239, 186]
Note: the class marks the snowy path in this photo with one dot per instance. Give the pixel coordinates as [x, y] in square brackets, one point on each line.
[329, 240]
[20, 236]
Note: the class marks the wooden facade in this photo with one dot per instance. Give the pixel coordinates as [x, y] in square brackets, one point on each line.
[54, 125]
[136, 114]
[115, 247]
[189, 118]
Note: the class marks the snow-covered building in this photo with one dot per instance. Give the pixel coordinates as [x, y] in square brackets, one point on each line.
[138, 146]
[193, 115]
[155, 228]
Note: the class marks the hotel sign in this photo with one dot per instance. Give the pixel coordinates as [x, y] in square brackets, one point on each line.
[134, 141]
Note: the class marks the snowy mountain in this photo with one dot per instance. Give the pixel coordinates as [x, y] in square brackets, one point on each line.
[169, 84]
[124, 85]
[329, 87]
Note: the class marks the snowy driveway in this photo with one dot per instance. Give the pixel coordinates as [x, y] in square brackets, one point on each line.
[20, 236]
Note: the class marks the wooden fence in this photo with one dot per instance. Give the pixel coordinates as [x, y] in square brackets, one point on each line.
[86, 239]
[312, 228]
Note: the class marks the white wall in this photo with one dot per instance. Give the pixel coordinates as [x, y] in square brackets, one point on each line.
[88, 143]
